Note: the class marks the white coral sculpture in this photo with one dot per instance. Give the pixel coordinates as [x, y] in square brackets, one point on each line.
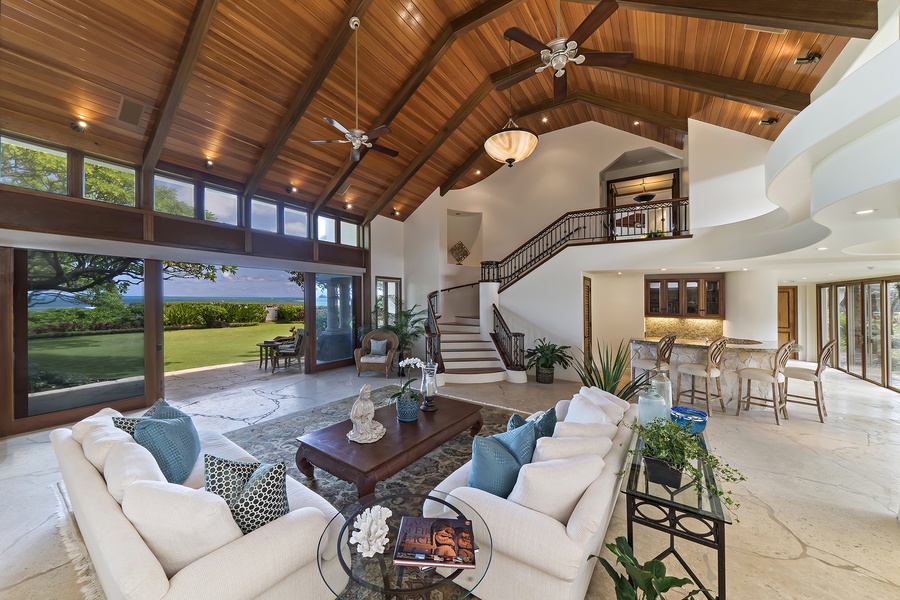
[371, 530]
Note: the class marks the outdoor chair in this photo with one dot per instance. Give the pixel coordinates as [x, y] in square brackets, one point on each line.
[366, 360]
[294, 349]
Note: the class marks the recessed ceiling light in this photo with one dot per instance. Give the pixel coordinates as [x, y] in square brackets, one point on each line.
[291, 189]
[79, 125]
[636, 123]
[821, 248]
[544, 120]
[619, 273]
[744, 269]
[769, 121]
[717, 268]
[831, 274]
[396, 212]
[663, 269]
[803, 278]
[478, 172]
[865, 211]
[208, 164]
[348, 206]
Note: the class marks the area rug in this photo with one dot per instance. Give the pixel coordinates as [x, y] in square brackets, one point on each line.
[276, 441]
[71, 538]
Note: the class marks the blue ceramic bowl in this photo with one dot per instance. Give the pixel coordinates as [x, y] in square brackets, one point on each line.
[691, 419]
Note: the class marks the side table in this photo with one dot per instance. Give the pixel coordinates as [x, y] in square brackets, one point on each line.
[267, 352]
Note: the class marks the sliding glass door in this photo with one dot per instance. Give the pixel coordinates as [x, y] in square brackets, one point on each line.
[872, 339]
[892, 323]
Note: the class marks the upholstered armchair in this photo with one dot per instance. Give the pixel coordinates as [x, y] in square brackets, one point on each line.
[367, 360]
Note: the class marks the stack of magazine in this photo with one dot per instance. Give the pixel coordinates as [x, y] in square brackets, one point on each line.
[423, 542]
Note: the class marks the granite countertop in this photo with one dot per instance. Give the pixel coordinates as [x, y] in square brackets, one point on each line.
[765, 345]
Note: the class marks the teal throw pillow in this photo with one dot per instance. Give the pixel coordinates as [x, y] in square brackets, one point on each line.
[379, 347]
[174, 444]
[158, 410]
[256, 493]
[496, 460]
[544, 425]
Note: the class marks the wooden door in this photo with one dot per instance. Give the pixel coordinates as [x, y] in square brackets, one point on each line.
[586, 310]
[787, 315]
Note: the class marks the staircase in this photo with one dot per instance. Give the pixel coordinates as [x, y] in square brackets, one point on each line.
[467, 357]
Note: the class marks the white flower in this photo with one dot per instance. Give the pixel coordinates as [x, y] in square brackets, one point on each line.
[371, 530]
[413, 362]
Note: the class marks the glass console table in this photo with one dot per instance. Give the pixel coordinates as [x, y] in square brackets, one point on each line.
[680, 512]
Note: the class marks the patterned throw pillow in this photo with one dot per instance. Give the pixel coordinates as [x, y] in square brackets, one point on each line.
[159, 410]
[256, 493]
[496, 460]
[379, 347]
[174, 444]
[544, 422]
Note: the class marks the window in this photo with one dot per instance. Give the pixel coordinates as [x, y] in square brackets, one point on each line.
[349, 233]
[220, 206]
[264, 216]
[387, 301]
[107, 182]
[296, 222]
[173, 196]
[335, 322]
[33, 167]
[325, 229]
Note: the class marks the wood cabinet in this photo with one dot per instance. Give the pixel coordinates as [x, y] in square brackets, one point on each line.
[695, 297]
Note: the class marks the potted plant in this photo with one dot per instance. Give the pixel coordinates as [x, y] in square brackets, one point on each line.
[407, 323]
[608, 370]
[649, 578]
[680, 452]
[406, 400]
[544, 356]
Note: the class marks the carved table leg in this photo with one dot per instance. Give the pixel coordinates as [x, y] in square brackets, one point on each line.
[476, 427]
[304, 465]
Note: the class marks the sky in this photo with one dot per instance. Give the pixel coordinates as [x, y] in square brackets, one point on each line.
[246, 283]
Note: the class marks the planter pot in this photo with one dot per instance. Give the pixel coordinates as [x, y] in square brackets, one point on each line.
[543, 374]
[659, 471]
[408, 408]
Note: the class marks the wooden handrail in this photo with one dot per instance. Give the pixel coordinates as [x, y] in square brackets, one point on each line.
[510, 345]
[457, 287]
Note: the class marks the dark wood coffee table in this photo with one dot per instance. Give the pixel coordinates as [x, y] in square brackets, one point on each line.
[403, 443]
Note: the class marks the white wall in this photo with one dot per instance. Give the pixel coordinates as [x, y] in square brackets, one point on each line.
[465, 227]
[617, 307]
[751, 305]
[386, 243]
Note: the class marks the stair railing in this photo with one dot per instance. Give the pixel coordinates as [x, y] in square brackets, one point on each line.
[433, 332]
[634, 222]
[510, 344]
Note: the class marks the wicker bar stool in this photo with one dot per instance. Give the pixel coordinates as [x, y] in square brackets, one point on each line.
[711, 370]
[813, 375]
[774, 377]
[661, 363]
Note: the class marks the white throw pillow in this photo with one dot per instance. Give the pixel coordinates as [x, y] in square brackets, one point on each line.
[554, 487]
[126, 463]
[612, 410]
[179, 524]
[570, 429]
[549, 448]
[98, 442]
[595, 392]
[104, 417]
[584, 410]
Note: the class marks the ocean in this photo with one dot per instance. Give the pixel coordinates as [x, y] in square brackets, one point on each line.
[57, 303]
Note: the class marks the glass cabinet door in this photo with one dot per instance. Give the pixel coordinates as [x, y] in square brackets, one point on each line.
[692, 297]
[673, 297]
[712, 290]
[654, 297]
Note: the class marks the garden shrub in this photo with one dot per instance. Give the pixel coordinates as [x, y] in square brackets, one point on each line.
[290, 313]
[204, 314]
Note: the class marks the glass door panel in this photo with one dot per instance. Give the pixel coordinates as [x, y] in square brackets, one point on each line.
[872, 307]
[334, 317]
[387, 301]
[692, 297]
[673, 297]
[893, 314]
[825, 333]
[713, 288]
[841, 293]
[854, 331]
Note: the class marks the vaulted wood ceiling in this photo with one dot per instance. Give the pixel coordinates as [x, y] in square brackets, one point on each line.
[248, 83]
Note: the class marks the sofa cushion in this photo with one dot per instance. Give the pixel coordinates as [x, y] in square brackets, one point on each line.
[102, 417]
[256, 493]
[179, 524]
[553, 487]
[368, 358]
[99, 440]
[544, 422]
[550, 448]
[571, 429]
[378, 347]
[129, 462]
[496, 460]
[174, 444]
[159, 410]
[597, 393]
[583, 410]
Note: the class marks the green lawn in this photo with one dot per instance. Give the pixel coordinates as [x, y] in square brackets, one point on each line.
[122, 355]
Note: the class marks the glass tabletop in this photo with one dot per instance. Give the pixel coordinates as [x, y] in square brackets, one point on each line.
[684, 496]
[351, 576]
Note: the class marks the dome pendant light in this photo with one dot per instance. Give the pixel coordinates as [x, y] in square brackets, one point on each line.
[512, 143]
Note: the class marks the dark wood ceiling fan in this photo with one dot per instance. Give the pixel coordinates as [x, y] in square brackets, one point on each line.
[561, 51]
[356, 137]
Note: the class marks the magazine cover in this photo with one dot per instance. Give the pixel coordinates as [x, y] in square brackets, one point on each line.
[423, 542]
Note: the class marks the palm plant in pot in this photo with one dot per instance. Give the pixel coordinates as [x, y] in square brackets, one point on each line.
[408, 324]
[608, 369]
[544, 356]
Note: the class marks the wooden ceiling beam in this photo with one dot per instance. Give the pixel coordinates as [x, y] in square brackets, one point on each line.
[851, 18]
[201, 20]
[474, 99]
[311, 84]
[747, 92]
[457, 28]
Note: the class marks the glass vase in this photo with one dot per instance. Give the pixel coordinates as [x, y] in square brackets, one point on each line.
[429, 388]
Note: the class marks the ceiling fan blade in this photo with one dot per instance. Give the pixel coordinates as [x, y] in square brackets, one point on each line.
[328, 142]
[384, 150]
[355, 155]
[517, 78]
[560, 88]
[607, 59]
[526, 39]
[337, 125]
[377, 132]
[594, 20]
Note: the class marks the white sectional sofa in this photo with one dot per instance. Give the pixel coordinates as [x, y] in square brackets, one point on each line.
[276, 561]
[536, 555]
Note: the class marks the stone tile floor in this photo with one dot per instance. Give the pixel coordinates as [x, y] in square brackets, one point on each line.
[818, 516]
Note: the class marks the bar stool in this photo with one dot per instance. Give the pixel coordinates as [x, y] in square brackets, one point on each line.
[663, 354]
[774, 377]
[813, 375]
[711, 370]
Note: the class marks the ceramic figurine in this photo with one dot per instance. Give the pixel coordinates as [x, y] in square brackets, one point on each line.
[371, 530]
[365, 430]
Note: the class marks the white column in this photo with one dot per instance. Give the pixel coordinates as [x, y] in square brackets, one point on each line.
[488, 294]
